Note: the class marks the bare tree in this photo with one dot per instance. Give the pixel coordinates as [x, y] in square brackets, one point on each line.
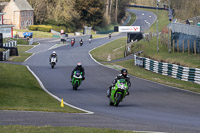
[116, 10]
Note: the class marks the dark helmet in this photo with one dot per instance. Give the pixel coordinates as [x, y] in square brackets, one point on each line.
[124, 72]
[79, 64]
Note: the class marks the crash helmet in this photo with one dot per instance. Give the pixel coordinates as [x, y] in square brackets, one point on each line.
[79, 64]
[124, 72]
[54, 53]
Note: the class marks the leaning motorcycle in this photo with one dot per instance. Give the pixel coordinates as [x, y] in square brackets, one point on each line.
[118, 92]
[77, 79]
[81, 43]
[53, 62]
[90, 40]
[72, 43]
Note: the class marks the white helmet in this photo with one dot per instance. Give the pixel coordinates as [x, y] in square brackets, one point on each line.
[79, 64]
[54, 52]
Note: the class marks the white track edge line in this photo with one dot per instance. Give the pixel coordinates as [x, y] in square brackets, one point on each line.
[41, 84]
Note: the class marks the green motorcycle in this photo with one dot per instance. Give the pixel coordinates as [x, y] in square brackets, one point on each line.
[77, 79]
[118, 92]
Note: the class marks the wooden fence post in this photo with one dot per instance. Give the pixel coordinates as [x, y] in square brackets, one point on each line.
[188, 46]
[183, 44]
[173, 45]
[195, 52]
[178, 45]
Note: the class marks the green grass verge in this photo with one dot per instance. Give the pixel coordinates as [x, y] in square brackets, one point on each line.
[50, 129]
[162, 19]
[150, 50]
[113, 50]
[22, 54]
[19, 90]
[94, 36]
[132, 20]
[36, 34]
[2, 49]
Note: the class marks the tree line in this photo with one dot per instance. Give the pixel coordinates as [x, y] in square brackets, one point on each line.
[78, 13]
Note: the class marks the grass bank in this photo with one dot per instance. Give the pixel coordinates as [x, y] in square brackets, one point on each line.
[36, 34]
[22, 54]
[132, 20]
[179, 58]
[111, 51]
[50, 129]
[19, 90]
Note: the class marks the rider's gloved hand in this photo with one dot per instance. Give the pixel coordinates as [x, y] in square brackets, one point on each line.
[83, 78]
[127, 93]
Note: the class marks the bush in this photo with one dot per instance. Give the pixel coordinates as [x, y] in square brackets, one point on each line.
[33, 27]
[59, 28]
[43, 28]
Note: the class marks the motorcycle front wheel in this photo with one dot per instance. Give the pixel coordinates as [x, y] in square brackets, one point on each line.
[118, 98]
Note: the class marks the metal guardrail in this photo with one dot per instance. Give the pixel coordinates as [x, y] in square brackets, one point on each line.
[6, 55]
[147, 7]
[167, 69]
[186, 29]
[10, 44]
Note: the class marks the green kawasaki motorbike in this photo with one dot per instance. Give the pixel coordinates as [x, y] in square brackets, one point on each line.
[118, 92]
[77, 79]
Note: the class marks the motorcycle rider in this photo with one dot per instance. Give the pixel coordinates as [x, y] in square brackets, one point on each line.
[80, 68]
[109, 35]
[53, 55]
[81, 42]
[90, 40]
[123, 75]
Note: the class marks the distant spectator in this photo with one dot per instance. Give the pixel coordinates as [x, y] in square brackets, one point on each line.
[187, 22]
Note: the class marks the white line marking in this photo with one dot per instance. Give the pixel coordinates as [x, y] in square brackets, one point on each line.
[41, 84]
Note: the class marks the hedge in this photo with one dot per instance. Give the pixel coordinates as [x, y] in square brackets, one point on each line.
[43, 28]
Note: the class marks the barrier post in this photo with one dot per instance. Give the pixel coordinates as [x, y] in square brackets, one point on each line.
[183, 44]
[173, 45]
[188, 46]
[195, 52]
[178, 45]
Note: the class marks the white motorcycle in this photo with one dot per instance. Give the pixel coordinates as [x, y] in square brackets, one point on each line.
[90, 40]
[53, 62]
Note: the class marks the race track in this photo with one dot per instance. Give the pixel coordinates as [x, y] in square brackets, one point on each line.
[150, 106]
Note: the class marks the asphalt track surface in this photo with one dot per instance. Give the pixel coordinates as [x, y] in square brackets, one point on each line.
[149, 107]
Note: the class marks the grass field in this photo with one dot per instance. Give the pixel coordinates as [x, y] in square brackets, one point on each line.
[36, 34]
[19, 90]
[50, 129]
[22, 54]
[132, 20]
[183, 59]
[111, 51]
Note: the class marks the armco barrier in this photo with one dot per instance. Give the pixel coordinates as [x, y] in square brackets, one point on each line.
[10, 44]
[6, 55]
[167, 69]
